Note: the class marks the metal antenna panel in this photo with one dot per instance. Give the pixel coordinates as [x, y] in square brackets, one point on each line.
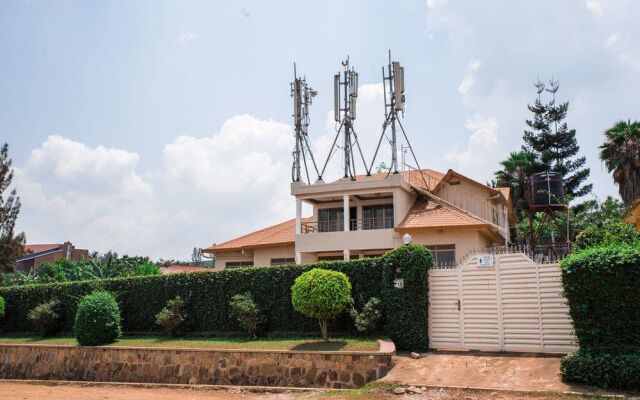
[302, 95]
[345, 96]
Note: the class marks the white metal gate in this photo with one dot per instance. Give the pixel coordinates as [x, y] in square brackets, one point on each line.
[514, 305]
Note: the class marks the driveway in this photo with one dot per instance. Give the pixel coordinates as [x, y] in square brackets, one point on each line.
[526, 372]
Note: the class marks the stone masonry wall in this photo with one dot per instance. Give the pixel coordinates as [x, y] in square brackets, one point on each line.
[194, 366]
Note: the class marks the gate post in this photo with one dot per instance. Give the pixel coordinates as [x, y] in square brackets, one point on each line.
[496, 267]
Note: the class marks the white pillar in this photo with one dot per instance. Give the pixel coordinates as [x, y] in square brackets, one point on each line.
[298, 258]
[346, 254]
[298, 216]
[345, 201]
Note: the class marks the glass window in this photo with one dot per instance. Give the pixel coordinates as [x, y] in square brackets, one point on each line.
[282, 261]
[235, 264]
[444, 255]
[377, 217]
[332, 219]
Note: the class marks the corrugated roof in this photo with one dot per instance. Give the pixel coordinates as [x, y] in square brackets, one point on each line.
[36, 248]
[427, 214]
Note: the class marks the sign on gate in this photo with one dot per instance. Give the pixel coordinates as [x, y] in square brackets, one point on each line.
[485, 260]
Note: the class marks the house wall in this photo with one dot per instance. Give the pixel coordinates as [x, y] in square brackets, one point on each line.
[465, 240]
[225, 256]
[475, 200]
[262, 256]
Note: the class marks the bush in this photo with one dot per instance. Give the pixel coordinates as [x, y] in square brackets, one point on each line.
[368, 319]
[405, 310]
[602, 286]
[171, 317]
[321, 294]
[611, 234]
[247, 313]
[98, 319]
[46, 317]
[141, 298]
[603, 368]
[1, 307]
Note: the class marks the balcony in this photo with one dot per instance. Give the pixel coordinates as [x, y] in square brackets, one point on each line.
[354, 225]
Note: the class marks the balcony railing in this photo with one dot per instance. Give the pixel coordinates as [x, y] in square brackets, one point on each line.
[354, 225]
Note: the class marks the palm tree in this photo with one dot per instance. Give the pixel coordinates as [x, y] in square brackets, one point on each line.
[515, 174]
[621, 154]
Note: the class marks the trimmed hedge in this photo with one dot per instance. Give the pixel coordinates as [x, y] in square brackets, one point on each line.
[207, 296]
[603, 368]
[602, 286]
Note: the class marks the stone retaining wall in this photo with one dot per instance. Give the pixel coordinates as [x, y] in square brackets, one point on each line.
[195, 366]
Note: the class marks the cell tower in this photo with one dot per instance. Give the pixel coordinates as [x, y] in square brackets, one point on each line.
[394, 101]
[302, 96]
[345, 96]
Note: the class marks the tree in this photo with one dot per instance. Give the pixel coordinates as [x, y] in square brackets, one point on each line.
[554, 145]
[196, 256]
[515, 174]
[321, 294]
[621, 154]
[11, 244]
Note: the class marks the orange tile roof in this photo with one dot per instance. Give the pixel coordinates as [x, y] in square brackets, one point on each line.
[35, 248]
[427, 214]
[282, 233]
[506, 192]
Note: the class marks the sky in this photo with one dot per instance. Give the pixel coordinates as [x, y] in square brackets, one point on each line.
[151, 127]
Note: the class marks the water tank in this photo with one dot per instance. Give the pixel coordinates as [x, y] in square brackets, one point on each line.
[547, 188]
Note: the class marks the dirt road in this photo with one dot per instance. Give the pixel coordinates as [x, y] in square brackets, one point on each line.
[44, 391]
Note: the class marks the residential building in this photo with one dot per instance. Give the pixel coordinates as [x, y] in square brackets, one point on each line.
[37, 254]
[448, 212]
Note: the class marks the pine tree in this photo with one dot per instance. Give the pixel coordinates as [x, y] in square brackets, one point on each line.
[553, 144]
[11, 244]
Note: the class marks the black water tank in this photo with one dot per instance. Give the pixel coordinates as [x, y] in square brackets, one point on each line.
[547, 188]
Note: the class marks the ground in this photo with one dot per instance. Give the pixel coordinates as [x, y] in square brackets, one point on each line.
[39, 391]
[295, 343]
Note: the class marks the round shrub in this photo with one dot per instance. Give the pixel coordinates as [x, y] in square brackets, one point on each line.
[46, 317]
[97, 319]
[1, 307]
[321, 294]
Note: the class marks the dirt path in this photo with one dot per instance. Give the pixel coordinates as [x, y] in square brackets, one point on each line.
[44, 391]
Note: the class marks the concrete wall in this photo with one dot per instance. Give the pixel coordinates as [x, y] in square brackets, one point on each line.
[194, 366]
[262, 256]
[465, 240]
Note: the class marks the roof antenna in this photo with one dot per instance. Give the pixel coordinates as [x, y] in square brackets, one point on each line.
[303, 96]
[394, 106]
[345, 95]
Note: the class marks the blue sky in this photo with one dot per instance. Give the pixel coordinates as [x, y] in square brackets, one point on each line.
[151, 127]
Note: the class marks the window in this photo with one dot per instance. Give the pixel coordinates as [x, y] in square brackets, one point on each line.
[444, 255]
[236, 264]
[283, 261]
[331, 219]
[377, 217]
[330, 258]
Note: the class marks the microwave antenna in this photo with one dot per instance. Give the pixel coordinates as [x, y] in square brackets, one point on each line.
[302, 95]
[345, 96]
[394, 106]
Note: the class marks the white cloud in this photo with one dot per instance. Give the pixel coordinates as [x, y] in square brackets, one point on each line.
[476, 157]
[469, 80]
[613, 39]
[436, 3]
[595, 6]
[186, 37]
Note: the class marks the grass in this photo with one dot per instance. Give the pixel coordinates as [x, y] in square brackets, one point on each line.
[295, 343]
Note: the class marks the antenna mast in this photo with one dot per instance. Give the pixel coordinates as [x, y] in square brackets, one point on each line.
[345, 95]
[394, 101]
[302, 98]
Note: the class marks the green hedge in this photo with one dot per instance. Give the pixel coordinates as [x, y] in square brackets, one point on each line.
[602, 286]
[207, 296]
[603, 368]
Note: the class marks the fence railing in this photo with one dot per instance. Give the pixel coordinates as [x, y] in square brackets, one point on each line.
[337, 225]
[544, 254]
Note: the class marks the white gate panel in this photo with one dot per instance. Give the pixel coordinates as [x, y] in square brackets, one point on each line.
[516, 305]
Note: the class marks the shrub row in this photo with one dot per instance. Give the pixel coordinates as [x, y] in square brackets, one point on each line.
[602, 286]
[207, 296]
[603, 368]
